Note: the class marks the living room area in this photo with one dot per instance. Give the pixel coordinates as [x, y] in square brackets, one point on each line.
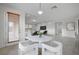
[39, 29]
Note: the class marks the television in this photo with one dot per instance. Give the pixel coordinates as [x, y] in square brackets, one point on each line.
[42, 27]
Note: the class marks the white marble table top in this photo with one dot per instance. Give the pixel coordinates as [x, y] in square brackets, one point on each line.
[43, 38]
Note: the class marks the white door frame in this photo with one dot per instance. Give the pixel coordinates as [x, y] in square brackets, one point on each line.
[18, 26]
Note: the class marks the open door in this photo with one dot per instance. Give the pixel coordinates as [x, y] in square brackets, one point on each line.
[13, 20]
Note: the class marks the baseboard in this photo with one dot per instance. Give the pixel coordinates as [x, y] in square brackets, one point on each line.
[13, 41]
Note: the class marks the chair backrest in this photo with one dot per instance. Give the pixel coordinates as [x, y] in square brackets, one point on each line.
[35, 33]
[45, 32]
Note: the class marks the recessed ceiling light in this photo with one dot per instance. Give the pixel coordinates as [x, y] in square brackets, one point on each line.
[34, 20]
[40, 12]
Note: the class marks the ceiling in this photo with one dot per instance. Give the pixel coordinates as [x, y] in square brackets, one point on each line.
[63, 11]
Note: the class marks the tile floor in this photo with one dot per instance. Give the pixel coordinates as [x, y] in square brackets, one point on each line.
[70, 47]
[14, 50]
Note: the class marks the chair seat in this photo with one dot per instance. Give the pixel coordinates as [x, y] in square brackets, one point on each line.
[53, 46]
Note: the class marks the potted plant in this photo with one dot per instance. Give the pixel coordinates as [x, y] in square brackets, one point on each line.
[40, 33]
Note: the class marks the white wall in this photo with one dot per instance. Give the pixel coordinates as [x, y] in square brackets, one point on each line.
[50, 27]
[2, 29]
[65, 33]
[4, 24]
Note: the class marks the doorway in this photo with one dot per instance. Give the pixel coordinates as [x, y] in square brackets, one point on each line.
[13, 27]
[58, 28]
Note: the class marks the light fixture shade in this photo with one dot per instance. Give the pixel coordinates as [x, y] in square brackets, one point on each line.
[40, 12]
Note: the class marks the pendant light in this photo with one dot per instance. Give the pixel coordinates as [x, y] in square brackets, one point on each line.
[40, 12]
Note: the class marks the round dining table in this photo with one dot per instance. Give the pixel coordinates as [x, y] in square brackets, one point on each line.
[39, 40]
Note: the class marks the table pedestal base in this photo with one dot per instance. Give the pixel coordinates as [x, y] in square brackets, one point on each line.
[39, 51]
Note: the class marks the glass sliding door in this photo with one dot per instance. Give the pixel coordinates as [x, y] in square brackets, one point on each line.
[13, 20]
